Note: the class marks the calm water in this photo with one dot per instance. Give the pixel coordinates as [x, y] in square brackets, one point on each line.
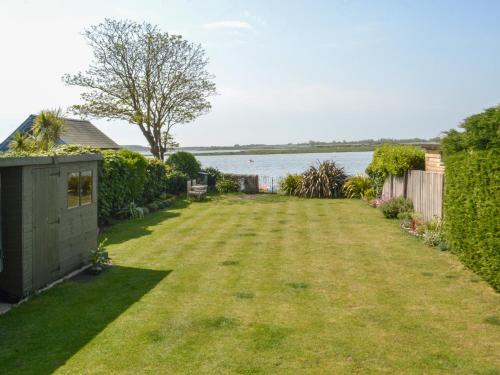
[280, 165]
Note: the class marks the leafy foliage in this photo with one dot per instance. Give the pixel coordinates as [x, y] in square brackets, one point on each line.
[122, 176]
[471, 198]
[393, 160]
[471, 202]
[47, 129]
[358, 187]
[226, 185]
[324, 181]
[395, 206]
[22, 142]
[291, 184]
[213, 174]
[176, 182]
[433, 234]
[156, 179]
[185, 162]
[481, 132]
[99, 257]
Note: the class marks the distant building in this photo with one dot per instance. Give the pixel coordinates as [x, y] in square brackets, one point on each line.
[76, 132]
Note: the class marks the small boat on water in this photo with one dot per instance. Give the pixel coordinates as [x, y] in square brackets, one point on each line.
[250, 160]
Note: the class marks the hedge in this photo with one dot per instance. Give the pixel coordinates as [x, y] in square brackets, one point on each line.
[122, 176]
[471, 210]
[156, 179]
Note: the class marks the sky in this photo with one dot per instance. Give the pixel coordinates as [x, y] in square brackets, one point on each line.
[286, 71]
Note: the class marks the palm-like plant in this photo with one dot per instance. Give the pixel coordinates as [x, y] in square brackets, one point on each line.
[324, 181]
[357, 187]
[47, 128]
[22, 142]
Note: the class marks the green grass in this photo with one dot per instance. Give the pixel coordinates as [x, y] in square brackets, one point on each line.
[273, 285]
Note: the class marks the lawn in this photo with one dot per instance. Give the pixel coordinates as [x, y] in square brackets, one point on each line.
[261, 285]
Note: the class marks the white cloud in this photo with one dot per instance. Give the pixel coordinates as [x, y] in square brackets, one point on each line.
[228, 25]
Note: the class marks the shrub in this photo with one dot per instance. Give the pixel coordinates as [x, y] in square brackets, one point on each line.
[291, 184]
[185, 162]
[213, 174]
[99, 257]
[433, 234]
[411, 221]
[176, 182]
[393, 207]
[471, 201]
[122, 175]
[324, 181]
[156, 179]
[226, 185]
[358, 187]
[393, 160]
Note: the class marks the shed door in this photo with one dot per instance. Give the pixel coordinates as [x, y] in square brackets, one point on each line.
[45, 226]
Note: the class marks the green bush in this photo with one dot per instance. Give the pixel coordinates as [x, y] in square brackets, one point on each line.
[324, 181]
[122, 175]
[213, 174]
[291, 184]
[481, 132]
[394, 160]
[471, 204]
[226, 185]
[185, 162]
[358, 187]
[176, 182]
[156, 179]
[433, 234]
[395, 206]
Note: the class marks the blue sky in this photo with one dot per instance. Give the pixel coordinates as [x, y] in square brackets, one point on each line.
[286, 71]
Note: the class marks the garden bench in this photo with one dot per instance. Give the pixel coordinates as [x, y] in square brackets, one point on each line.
[198, 192]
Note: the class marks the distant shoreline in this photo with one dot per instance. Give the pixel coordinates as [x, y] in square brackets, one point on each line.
[292, 150]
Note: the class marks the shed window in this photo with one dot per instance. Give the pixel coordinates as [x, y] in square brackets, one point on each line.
[73, 187]
[79, 188]
[85, 187]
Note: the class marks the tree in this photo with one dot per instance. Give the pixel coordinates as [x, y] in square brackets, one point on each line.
[47, 128]
[168, 142]
[145, 76]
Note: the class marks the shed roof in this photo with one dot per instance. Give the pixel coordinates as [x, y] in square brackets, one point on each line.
[21, 161]
[76, 132]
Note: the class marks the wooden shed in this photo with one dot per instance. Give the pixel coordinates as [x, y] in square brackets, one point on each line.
[48, 212]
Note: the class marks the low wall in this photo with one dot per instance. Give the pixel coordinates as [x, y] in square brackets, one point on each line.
[247, 183]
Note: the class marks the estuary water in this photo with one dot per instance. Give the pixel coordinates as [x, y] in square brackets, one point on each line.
[279, 165]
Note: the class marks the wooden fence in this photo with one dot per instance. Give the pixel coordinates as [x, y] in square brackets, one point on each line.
[425, 189]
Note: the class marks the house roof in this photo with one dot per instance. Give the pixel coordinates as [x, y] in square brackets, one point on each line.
[76, 132]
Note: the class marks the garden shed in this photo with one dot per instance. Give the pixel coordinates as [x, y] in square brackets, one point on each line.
[48, 213]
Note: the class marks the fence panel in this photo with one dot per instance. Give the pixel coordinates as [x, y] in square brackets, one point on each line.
[425, 189]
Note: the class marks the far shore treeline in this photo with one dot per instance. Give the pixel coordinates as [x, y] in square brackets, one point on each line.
[295, 148]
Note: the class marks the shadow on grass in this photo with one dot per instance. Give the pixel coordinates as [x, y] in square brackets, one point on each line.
[135, 228]
[45, 332]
